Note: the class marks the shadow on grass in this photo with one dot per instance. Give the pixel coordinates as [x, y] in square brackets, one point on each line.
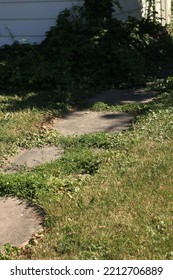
[138, 101]
[45, 100]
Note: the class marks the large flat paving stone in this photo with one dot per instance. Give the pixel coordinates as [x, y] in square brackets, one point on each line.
[82, 122]
[18, 221]
[33, 157]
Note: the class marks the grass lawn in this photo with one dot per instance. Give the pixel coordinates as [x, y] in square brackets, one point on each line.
[109, 197]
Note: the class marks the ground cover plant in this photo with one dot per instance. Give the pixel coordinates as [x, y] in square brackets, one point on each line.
[105, 192]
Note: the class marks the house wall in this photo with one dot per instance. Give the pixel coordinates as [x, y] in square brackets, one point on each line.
[28, 20]
[163, 9]
[130, 8]
[139, 8]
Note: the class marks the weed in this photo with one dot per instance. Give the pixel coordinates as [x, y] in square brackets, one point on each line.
[8, 252]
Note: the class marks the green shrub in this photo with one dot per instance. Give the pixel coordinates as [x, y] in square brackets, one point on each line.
[79, 54]
[16, 66]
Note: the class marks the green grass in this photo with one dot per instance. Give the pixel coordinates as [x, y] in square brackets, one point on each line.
[109, 196]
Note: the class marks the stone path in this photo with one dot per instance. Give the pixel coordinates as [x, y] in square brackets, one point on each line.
[82, 122]
[18, 221]
[33, 157]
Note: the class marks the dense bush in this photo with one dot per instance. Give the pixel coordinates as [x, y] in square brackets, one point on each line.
[17, 63]
[77, 55]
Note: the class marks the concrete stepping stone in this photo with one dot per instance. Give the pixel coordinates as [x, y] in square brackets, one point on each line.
[33, 157]
[82, 122]
[18, 221]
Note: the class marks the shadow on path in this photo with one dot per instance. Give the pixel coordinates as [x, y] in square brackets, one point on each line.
[119, 97]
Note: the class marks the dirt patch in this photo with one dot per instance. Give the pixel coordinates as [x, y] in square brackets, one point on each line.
[18, 221]
[82, 122]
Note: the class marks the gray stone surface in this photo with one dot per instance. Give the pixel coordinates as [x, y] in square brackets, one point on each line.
[81, 122]
[33, 157]
[18, 221]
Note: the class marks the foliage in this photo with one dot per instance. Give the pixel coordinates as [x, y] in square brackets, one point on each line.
[16, 65]
[79, 54]
[109, 54]
[8, 251]
[99, 13]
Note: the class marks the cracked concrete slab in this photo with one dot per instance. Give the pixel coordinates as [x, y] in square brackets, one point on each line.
[82, 122]
[18, 221]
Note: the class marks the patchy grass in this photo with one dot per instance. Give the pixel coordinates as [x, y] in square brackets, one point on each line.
[25, 121]
[108, 197]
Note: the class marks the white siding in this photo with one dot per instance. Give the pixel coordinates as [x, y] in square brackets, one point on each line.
[29, 20]
[163, 9]
[139, 8]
